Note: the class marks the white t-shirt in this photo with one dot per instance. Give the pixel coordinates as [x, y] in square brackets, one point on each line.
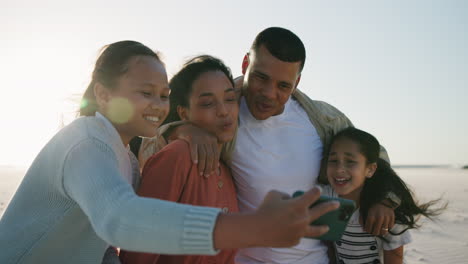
[280, 153]
[358, 246]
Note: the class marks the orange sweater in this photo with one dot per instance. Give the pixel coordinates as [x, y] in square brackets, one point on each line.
[171, 175]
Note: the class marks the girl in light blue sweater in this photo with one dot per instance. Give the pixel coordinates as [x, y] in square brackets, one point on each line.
[77, 198]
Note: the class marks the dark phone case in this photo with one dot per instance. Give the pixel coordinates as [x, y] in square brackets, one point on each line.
[336, 220]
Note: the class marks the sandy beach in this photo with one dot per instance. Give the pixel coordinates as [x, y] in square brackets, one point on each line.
[442, 241]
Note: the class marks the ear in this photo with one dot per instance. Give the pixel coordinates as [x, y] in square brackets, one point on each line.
[371, 168]
[297, 81]
[245, 63]
[182, 112]
[102, 94]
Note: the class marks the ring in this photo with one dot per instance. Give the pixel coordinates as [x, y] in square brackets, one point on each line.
[385, 229]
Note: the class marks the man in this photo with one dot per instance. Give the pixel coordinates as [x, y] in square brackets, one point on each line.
[280, 140]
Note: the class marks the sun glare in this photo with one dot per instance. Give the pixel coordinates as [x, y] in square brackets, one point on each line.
[120, 110]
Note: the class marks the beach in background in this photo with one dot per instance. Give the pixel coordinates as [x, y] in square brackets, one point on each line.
[442, 241]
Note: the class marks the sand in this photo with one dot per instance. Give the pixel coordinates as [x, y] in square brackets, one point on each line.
[441, 241]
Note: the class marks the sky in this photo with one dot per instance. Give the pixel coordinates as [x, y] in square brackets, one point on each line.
[397, 69]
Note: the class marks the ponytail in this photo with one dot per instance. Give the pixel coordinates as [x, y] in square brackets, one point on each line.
[110, 65]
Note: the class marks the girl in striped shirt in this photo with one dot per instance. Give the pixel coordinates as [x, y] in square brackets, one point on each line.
[355, 172]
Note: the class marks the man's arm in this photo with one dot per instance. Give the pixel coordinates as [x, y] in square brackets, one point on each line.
[328, 121]
[203, 145]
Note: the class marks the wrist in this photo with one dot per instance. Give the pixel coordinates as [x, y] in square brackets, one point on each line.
[235, 231]
[172, 131]
[391, 200]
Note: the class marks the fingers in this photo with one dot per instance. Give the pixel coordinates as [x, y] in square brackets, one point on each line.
[208, 158]
[208, 161]
[391, 223]
[378, 228]
[194, 152]
[203, 148]
[276, 195]
[318, 210]
[308, 198]
[216, 156]
[316, 230]
[201, 159]
[379, 220]
[387, 224]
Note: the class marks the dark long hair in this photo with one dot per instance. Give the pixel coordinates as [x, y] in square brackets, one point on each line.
[385, 180]
[181, 82]
[110, 65]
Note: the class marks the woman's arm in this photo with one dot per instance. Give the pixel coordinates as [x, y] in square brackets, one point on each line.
[394, 256]
[280, 221]
[121, 218]
[117, 215]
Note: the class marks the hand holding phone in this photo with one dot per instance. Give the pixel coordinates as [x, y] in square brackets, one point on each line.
[336, 220]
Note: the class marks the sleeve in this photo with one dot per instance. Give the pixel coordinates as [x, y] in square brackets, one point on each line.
[92, 179]
[396, 241]
[149, 146]
[164, 177]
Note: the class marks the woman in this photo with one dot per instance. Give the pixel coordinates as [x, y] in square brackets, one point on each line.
[202, 93]
[76, 197]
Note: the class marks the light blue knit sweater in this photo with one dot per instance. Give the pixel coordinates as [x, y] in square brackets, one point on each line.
[74, 202]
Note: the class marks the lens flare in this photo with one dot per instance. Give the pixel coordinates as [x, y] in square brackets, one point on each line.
[120, 110]
[84, 103]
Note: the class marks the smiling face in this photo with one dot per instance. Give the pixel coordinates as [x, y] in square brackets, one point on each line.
[140, 101]
[213, 105]
[268, 82]
[348, 169]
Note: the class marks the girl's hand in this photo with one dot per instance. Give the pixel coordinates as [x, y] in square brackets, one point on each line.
[279, 222]
[288, 220]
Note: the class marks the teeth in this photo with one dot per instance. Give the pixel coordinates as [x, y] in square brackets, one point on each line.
[152, 118]
[341, 180]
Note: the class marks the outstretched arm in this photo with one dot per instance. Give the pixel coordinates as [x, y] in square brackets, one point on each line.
[278, 222]
[118, 216]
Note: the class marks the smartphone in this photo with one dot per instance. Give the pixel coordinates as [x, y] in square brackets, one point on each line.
[336, 219]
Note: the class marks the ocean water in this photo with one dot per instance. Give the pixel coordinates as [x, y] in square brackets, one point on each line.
[451, 184]
[427, 183]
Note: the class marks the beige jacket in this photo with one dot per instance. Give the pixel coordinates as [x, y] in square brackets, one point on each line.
[326, 119]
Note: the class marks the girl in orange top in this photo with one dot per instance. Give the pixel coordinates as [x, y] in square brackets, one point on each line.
[202, 93]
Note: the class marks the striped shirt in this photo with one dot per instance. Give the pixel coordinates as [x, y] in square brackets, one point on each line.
[358, 246]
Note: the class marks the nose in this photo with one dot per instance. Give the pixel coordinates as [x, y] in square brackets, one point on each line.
[340, 167]
[157, 103]
[221, 110]
[268, 90]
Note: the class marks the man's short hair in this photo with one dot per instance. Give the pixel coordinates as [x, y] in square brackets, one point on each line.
[282, 44]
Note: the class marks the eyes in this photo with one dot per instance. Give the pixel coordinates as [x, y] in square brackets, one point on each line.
[149, 94]
[260, 77]
[283, 86]
[211, 102]
[347, 162]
